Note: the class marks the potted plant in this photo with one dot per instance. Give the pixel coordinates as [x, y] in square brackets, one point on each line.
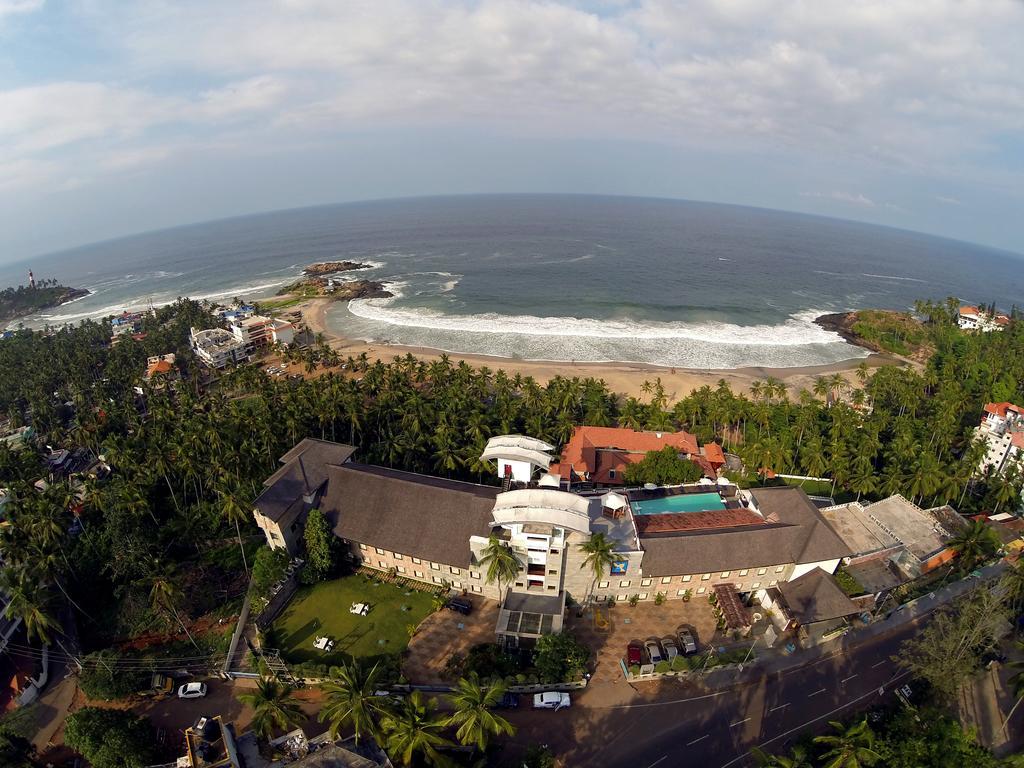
[687, 595]
[634, 600]
[659, 598]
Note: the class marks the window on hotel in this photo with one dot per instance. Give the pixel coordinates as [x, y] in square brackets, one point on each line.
[401, 569]
[552, 573]
[474, 575]
[643, 595]
[743, 572]
[705, 577]
[623, 584]
[725, 574]
[620, 598]
[362, 546]
[418, 574]
[551, 589]
[611, 474]
[417, 561]
[476, 588]
[602, 585]
[701, 590]
[680, 592]
[457, 584]
[666, 579]
[397, 556]
[378, 550]
[437, 579]
[645, 582]
[554, 551]
[435, 567]
[455, 570]
[780, 569]
[772, 583]
[382, 564]
[685, 579]
[755, 585]
[762, 571]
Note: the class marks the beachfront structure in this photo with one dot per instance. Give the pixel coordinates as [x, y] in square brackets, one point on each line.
[1002, 430]
[598, 455]
[160, 366]
[282, 332]
[972, 318]
[237, 313]
[893, 540]
[257, 331]
[125, 324]
[517, 457]
[671, 541]
[217, 347]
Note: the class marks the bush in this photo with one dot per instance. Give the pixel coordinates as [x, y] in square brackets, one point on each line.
[110, 738]
[489, 660]
[634, 600]
[104, 677]
[538, 757]
[560, 658]
[680, 663]
[634, 670]
[661, 667]
[268, 568]
[664, 467]
[320, 548]
[659, 598]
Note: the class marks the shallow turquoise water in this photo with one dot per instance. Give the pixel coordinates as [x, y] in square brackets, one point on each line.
[690, 502]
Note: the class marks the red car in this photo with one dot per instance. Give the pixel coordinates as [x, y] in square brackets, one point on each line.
[634, 653]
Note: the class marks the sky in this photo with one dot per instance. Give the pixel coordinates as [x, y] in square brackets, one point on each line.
[122, 117]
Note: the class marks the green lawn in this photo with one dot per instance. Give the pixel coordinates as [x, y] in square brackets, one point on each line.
[323, 610]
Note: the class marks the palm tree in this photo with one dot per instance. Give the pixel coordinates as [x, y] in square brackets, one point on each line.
[473, 718]
[351, 699]
[975, 543]
[234, 513]
[164, 596]
[30, 601]
[502, 563]
[274, 706]
[599, 556]
[850, 747]
[416, 730]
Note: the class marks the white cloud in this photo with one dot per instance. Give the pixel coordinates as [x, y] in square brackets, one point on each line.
[14, 7]
[850, 198]
[948, 200]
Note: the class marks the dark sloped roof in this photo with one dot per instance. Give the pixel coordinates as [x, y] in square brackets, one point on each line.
[427, 517]
[816, 596]
[793, 532]
[303, 472]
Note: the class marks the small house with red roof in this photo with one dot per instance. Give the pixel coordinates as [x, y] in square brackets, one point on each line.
[1002, 429]
[599, 455]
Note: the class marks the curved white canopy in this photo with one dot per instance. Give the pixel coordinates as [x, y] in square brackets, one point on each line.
[520, 441]
[613, 500]
[547, 480]
[545, 506]
[537, 458]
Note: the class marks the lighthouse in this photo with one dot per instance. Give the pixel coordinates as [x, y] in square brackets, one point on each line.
[31, 279]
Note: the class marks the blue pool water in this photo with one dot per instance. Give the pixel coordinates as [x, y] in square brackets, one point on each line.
[689, 502]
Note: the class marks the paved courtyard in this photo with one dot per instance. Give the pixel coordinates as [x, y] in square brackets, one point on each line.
[610, 631]
[445, 633]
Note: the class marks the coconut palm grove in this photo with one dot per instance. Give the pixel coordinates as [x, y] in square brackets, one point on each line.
[144, 566]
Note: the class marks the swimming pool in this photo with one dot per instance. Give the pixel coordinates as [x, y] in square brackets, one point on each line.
[687, 502]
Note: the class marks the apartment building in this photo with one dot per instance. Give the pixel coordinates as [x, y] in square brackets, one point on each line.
[972, 318]
[1002, 429]
[217, 348]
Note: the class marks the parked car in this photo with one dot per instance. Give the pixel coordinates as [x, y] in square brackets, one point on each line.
[159, 686]
[635, 653]
[654, 650]
[668, 644]
[508, 701]
[551, 700]
[461, 605]
[686, 639]
[192, 691]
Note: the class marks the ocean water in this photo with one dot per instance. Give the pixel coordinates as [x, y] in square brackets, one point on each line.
[555, 277]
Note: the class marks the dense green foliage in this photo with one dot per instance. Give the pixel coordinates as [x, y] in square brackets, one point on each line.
[894, 332]
[320, 547]
[268, 569]
[110, 738]
[560, 658]
[663, 467]
[23, 300]
[106, 676]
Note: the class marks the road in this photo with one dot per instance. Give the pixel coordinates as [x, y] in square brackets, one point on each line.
[716, 728]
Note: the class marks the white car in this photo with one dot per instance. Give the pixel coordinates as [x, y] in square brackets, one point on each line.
[192, 691]
[551, 700]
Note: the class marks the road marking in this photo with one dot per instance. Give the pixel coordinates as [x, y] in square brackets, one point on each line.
[691, 743]
[714, 695]
[663, 757]
[875, 666]
[741, 722]
[845, 679]
[781, 706]
[815, 693]
[803, 726]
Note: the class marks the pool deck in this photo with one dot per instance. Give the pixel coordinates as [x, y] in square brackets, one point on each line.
[680, 503]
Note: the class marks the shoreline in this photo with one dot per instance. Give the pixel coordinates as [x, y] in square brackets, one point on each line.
[624, 378]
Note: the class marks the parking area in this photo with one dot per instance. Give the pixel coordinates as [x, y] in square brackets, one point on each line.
[445, 633]
[609, 630]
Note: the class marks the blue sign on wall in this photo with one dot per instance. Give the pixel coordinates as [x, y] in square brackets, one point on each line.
[619, 567]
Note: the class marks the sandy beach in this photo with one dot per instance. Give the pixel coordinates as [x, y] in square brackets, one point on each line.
[626, 378]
